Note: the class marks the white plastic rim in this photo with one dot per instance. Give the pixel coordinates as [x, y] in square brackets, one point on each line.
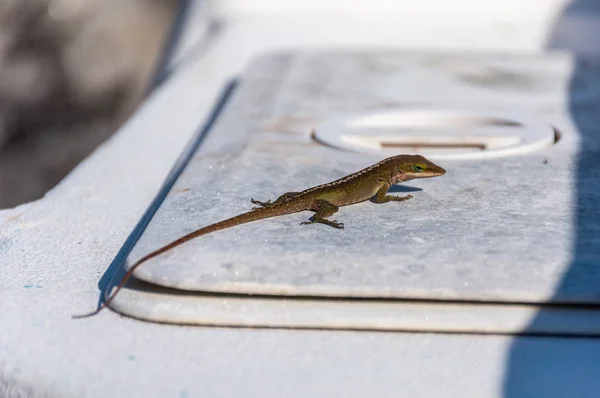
[441, 134]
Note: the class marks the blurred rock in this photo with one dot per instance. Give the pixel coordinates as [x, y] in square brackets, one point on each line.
[71, 72]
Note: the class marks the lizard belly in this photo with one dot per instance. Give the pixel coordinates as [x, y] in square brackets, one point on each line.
[351, 194]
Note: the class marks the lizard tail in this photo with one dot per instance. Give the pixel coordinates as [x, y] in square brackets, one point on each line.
[252, 215]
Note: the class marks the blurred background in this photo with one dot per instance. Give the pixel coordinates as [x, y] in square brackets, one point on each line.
[71, 72]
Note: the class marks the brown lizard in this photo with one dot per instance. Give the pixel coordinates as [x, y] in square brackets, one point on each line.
[325, 200]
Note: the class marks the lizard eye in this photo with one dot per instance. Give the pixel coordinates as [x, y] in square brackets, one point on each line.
[418, 168]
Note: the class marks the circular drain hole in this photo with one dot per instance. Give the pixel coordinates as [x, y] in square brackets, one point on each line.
[438, 134]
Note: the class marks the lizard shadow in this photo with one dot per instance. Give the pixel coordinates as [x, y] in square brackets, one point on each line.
[115, 271]
[566, 367]
[397, 188]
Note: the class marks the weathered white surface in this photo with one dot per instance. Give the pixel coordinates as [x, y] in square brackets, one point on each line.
[147, 302]
[52, 253]
[479, 233]
[473, 234]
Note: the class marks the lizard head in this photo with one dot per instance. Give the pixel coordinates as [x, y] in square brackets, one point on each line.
[415, 166]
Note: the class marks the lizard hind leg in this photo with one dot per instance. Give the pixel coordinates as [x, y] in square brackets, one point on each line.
[282, 198]
[324, 209]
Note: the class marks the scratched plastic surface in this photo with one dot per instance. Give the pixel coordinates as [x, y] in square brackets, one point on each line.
[498, 230]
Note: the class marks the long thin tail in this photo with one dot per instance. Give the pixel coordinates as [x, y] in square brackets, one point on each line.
[252, 215]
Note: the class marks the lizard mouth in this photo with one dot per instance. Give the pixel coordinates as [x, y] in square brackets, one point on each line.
[432, 173]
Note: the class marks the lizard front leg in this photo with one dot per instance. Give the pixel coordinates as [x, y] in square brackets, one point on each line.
[324, 209]
[382, 197]
[282, 198]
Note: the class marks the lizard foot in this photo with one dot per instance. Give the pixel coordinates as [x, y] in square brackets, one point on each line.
[403, 198]
[338, 225]
[261, 204]
[331, 223]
